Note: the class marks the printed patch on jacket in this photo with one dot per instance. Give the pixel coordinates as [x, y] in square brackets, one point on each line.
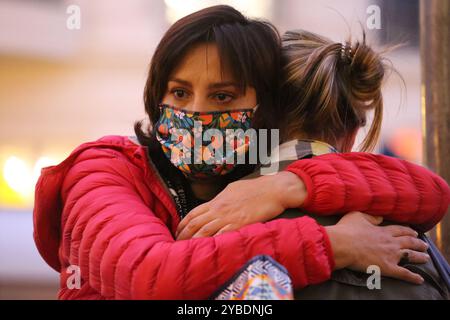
[261, 278]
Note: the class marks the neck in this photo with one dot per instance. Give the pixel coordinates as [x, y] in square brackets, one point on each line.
[301, 136]
[206, 190]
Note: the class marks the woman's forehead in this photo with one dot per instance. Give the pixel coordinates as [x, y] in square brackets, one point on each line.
[202, 63]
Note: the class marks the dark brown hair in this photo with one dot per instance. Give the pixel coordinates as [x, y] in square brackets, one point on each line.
[329, 87]
[251, 49]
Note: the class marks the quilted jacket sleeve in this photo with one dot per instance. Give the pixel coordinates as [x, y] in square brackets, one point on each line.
[375, 184]
[112, 231]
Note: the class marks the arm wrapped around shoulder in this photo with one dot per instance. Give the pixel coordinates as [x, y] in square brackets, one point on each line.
[375, 184]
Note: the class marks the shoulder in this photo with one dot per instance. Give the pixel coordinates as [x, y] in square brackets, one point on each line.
[101, 150]
[117, 142]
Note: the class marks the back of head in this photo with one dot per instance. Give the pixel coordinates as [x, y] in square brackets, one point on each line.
[329, 87]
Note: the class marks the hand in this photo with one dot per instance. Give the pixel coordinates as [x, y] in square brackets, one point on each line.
[358, 242]
[242, 203]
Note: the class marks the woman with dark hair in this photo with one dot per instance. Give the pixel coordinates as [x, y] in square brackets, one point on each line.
[111, 209]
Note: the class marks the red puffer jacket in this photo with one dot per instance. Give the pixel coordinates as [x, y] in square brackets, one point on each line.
[105, 211]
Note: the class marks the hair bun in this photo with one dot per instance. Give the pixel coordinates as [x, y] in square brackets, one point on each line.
[330, 86]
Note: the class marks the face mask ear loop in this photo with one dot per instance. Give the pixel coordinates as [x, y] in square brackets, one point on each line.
[161, 107]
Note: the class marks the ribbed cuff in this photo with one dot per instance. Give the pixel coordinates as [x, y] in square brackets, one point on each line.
[306, 178]
[328, 248]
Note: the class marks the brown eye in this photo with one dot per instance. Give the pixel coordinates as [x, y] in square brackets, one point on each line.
[223, 97]
[179, 94]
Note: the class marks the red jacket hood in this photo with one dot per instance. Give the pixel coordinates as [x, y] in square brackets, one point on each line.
[48, 205]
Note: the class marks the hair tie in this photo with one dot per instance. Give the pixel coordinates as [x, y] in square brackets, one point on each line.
[346, 52]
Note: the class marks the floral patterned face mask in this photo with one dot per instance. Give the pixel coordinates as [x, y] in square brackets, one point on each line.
[204, 144]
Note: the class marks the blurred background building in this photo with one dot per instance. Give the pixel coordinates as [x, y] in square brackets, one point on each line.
[61, 86]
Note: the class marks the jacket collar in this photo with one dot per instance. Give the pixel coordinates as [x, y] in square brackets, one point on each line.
[299, 149]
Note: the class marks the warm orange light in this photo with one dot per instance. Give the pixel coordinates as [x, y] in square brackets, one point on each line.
[18, 180]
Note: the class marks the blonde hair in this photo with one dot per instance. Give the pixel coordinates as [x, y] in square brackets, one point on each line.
[329, 87]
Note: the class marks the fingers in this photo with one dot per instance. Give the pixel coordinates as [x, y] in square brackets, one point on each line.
[209, 229]
[190, 216]
[406, 275]
[193, 226]
[227, 228]
[417, 257]
[375, 220]
[407, 242]
[398, 231]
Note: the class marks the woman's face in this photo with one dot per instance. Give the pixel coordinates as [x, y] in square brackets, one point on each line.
[199, 84]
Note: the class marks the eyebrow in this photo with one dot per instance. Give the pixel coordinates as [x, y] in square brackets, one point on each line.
[217, 85]
[180, 81]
